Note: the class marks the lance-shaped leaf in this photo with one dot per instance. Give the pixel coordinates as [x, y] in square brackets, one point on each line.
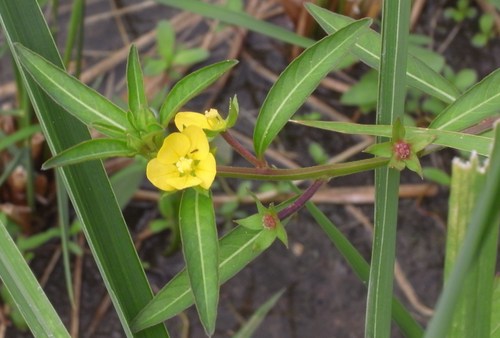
[84, 103]
[136, 94]
[368, 49]
[28, 295]
[479, 102]
[201, 252]
[451, 139]
[299, 80]
[237, 248]
[190, 86]
[89, 150]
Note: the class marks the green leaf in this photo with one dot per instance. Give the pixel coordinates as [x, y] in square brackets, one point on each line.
[237, 248]
[84, 103]
[26, 292]
[19, 135]
[299, 80]
[201, 252]
[495, 310]
[188, 57]
[136, 94]
[248, 330]
[234, 110]
[165, 37]
[479, 102]
[368, 49]
[190, 86]
[89, 150]
[451, 139]
[87, 184]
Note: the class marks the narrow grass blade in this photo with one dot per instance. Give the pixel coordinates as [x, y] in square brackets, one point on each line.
[236, 249]
[190, 86]
[254, 322]
[87, 183]
[19, 135]
[299, 80]
[89, 150]
[201, 252]
[461, 141]
[495, 310]
[472, 316]
[368, 49]
[16, 275]
[136, 94]
[482, 225]
[408, 325]
[479, 102]
[390, 106]
[84, 103]
[239, 19]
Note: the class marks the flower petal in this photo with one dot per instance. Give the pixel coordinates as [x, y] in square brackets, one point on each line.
[206, 170]
[199, 147]
[183, 182]
[185, 119]
[159, 174]
[175, 146]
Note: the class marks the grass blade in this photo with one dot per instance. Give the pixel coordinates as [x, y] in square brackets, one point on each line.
[483, 224]
[201, 253]
[299, 80]
[87, 183]
[472, 316]
[19, 135]
[89, 150]
[479, 102]
[390, 106]
[461, 141]
[190, 86]
[239, 19]
[254, 322]
[368, 49]
[236, 249]
[495, 310]
[84, 103]
[16, 275]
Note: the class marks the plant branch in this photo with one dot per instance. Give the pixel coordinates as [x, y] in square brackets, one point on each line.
[244, 152]
[302, 199]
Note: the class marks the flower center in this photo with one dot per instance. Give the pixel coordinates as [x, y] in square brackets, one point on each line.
[402, 150]
[184, 165]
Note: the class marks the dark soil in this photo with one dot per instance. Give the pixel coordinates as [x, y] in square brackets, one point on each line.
[323, 296]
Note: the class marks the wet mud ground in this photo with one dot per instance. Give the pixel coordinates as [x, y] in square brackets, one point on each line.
[323, 296]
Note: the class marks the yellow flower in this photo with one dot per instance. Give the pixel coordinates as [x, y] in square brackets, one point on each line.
[211, 120]
[184, 160]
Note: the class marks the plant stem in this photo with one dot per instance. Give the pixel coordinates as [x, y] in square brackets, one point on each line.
[314, 172]
[244, 152]
[302, 199]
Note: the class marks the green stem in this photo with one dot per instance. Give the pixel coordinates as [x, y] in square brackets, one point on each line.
[314, 172]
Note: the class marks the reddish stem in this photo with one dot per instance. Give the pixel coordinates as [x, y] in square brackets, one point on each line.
[302, 199]
[242, 150]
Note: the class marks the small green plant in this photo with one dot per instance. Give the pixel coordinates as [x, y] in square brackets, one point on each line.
[486, 30]
[461, 12]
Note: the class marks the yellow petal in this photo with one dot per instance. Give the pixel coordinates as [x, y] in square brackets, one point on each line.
[159, 174]
[199, 147]
[175, 146]
[206, 170]
[184, 182]
[215, 121]
[185, 119]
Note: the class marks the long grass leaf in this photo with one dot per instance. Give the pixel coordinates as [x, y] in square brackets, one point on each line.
[201, 251]
[27, 293]
[368, 49]
[299, 80]
[87, 183]
[19, 135]
[461, 141]
[482, 225]
[479, 102]
[390, 106]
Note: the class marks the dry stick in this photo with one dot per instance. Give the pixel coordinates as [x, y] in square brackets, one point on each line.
[3, 322]
[418, 5]
[119, 23]
[120, 12]
[400, 276]
[50, 267]
[77, 290]
[99, 314]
